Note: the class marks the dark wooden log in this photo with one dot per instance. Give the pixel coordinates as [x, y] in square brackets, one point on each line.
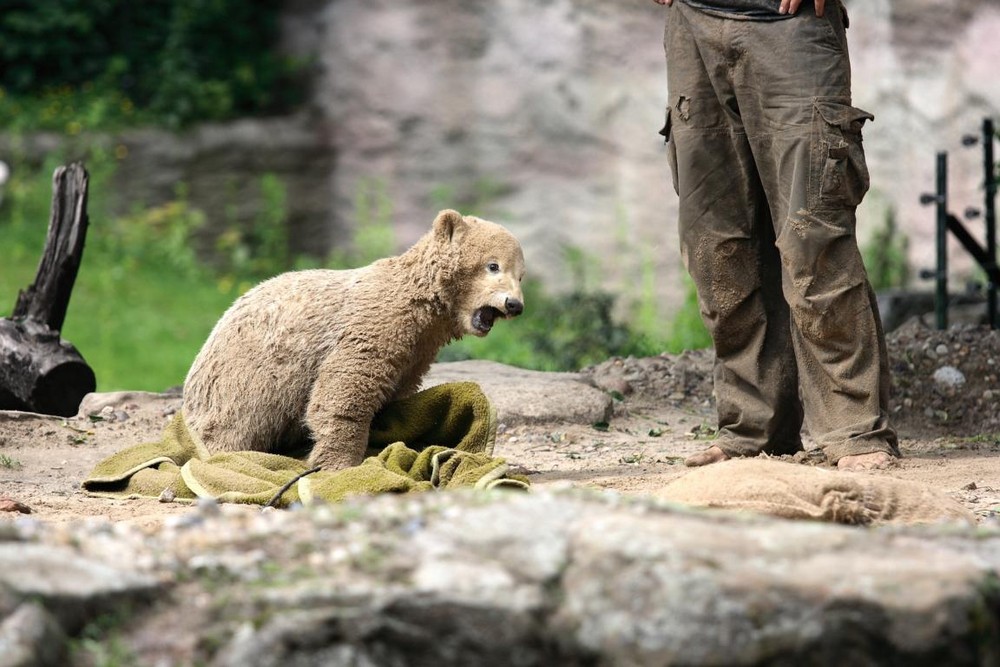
[46, 300]
[40, 372]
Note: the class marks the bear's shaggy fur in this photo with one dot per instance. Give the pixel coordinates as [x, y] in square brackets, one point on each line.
[314, 355]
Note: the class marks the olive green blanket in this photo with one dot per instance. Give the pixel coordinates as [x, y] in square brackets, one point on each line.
[439, 438]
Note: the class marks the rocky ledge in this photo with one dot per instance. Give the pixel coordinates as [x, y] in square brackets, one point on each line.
[561, 577]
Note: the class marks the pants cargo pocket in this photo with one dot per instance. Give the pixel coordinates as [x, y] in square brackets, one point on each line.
[666, 133]
[839, 174]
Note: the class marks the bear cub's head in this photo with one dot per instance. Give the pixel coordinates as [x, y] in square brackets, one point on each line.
[487, 269]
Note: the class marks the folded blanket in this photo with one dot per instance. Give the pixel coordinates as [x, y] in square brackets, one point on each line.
[440, 438]
[795, 491]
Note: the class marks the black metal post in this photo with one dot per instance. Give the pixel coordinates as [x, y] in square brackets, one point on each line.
[941, 280]
[990, 217]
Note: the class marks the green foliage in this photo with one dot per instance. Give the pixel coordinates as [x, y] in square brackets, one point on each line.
[556, 333]
[885, 256]
[93, 106]
[101, 63]
[374, 237]
[246, 254]
[101, 642]
[572, 331]
[8, 462]
[687, 329]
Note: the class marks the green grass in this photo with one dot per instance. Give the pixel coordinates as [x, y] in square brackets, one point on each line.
[141, 330]
[8, 462]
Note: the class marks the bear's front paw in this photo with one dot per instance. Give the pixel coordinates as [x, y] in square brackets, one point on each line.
[334, 458]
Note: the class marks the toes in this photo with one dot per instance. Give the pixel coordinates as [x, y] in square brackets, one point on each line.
[711, 455]
[873, 461]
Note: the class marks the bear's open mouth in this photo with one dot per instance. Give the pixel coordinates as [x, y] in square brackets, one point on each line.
[484, 317]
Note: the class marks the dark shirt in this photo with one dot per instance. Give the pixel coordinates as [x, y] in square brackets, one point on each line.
[754, 10]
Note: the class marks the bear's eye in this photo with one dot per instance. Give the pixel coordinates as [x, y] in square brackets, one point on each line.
[493, 267]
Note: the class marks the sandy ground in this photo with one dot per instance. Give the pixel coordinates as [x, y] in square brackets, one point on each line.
[44, 459]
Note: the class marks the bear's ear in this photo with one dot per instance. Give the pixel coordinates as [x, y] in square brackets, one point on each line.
[449, 225]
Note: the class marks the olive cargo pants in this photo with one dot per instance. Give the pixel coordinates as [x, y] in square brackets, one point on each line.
[766, 156]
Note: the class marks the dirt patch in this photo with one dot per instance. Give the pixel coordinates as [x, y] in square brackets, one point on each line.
[950, 431]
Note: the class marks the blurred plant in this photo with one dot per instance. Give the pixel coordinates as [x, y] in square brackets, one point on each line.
[556, 333]
[250, 253]
[687, 330]
[885, 255]
[374, 236]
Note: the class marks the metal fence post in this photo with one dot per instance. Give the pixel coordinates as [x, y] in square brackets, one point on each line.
[941, 279]
[990, 218]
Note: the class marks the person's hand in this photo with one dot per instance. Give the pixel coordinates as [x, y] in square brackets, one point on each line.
[792, 6]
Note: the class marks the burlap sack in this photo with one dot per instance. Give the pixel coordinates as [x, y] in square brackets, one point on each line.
[795, 491]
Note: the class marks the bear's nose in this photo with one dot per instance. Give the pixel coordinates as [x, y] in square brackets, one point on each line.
[513, 307]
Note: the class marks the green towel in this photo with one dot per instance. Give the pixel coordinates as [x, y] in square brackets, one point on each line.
[150, 468]
[440, 438]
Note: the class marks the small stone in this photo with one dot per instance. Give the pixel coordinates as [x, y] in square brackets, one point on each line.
[11, 505]
[971, 486]
[907, 403]
[167, 496]
[949, 376]
[941, 349]
[988, 395]
[208, 507]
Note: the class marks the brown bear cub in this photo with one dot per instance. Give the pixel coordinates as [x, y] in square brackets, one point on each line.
[314, 355]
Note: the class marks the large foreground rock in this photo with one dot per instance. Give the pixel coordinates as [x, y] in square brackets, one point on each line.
[536, 579]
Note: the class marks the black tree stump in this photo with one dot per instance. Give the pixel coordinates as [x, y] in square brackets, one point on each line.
[40, 372]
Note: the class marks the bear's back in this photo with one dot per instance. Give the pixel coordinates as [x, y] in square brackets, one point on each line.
[261, 359]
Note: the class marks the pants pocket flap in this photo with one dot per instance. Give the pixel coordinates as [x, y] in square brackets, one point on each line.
[665, 132]
[844, 116]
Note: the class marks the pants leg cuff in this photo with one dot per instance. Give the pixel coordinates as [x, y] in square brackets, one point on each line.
[736, 447]
[835, 452]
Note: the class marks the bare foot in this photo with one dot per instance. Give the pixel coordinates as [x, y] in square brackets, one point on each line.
[873, 461]
[711, 455]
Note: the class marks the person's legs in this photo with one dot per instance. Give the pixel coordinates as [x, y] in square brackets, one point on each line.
[727, 243]
[793, 87]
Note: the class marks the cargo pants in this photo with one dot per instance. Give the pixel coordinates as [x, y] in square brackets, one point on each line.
[766, 157]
